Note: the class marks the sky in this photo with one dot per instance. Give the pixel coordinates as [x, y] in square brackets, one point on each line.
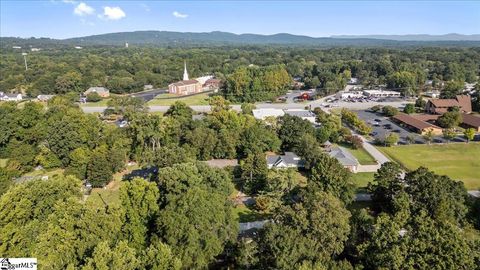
[72, 18]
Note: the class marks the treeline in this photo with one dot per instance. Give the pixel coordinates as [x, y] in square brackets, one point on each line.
[56, 70]
[250, 84]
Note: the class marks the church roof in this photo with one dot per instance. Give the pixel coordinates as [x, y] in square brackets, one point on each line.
[186, 82]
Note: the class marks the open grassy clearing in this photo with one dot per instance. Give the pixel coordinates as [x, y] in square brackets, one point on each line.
[245, 214]
[101, 103]
[361, 155]
[167, 100]
[362, 179]
[49, 173]
[460, 161]
[3, 162]
[110, 194]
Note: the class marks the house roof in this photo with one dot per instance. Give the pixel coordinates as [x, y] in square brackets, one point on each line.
[343, 156]
[471, 120]
[289, 158]
[300, 113]
[263, 113]
[414, 122]
[426, 117]
[186, 82]
[212, 81]
[97, 90]
[461, 101]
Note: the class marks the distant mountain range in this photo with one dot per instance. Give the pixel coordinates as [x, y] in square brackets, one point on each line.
[446, 37]
[167, 38]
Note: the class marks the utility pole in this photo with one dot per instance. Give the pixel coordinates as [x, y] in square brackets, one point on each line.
[25, 58]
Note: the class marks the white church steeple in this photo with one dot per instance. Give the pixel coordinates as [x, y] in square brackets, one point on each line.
[185, 73]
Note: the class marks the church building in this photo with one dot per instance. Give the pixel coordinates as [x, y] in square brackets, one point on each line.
[185, 86]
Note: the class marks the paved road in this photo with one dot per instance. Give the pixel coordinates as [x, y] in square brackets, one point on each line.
[310, 104]
[150, 94]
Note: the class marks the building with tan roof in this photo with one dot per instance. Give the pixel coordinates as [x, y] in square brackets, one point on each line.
[471, 121]
[441, 106]
[416, 125]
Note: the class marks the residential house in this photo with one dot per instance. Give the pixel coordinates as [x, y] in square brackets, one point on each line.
[345, 158]
[148, 87]
[441, 106]
[101, 91]
[10, 97]
[44, 98]
[288, 160]
[432, 94]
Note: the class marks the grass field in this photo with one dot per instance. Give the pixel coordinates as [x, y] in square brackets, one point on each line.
[110, 194]
[3, 162]
[362, 179]
[49, 173]
[200, 99]
[101, 103]
[245, 214]
[362, 156]
[460, 161]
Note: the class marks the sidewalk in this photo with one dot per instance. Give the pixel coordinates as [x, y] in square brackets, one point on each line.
[377, 155]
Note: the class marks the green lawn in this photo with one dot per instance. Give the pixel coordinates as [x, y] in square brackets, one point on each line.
[361, 154]
[460, 161]
[245, 214]
[362, 179]
[49, 173]
[161, 100]
[110, 194]
[3, 162]
[101, 103]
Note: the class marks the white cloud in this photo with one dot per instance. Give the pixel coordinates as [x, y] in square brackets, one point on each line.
[112, 13]
[83, 9]
[69, 1]
[179, 15]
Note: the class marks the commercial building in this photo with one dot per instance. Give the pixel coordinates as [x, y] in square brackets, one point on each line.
[441, 106]
[416, 125]
[262, 114]
[471, 121]
[349, 94]
[381, 93]
[304, 114]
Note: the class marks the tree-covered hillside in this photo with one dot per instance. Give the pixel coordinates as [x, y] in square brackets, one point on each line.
[61, 69]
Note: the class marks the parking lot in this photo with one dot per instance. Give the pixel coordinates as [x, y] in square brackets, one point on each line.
[382, 126]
